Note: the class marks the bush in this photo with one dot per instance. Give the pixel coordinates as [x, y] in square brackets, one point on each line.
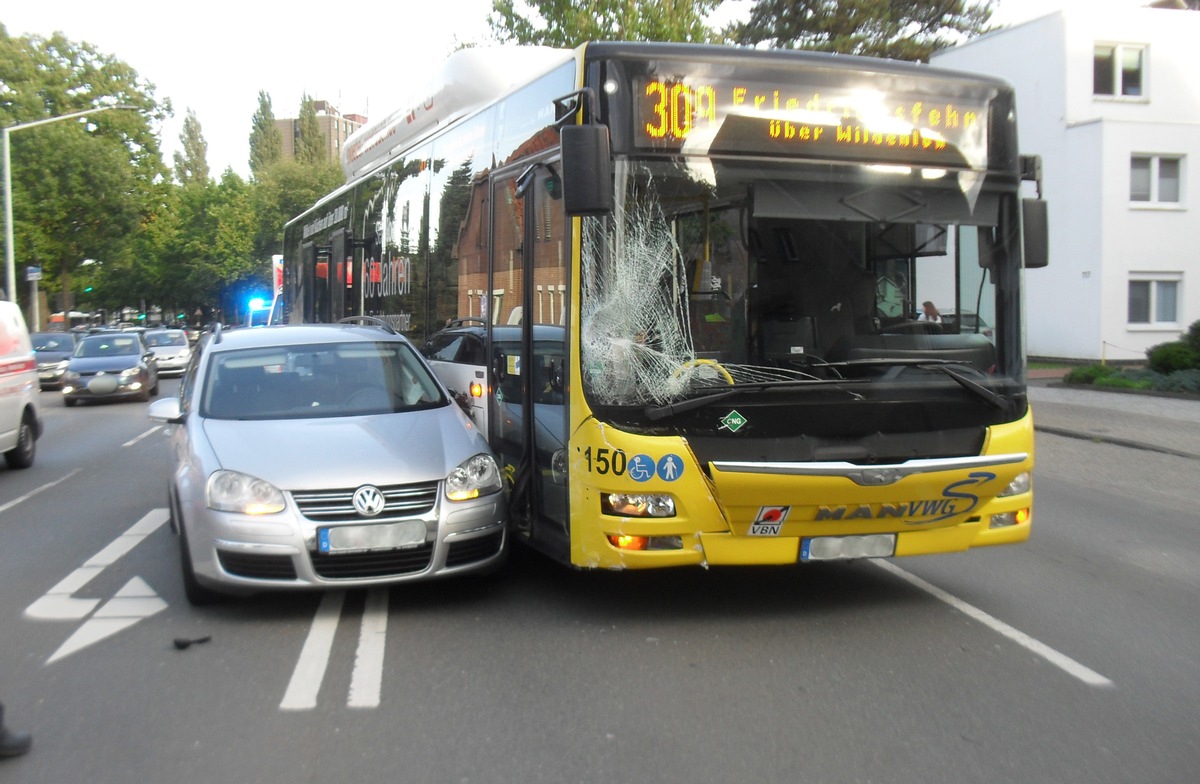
[1172, 357]
[1185, 381]
[1124, 381]
[1088, 374]
[1192, 336]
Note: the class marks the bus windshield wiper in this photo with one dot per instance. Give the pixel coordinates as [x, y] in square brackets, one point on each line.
[999, 401]
[945, 366]
[689, 404]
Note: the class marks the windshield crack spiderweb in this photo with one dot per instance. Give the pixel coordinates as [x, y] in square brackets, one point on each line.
[635, 336]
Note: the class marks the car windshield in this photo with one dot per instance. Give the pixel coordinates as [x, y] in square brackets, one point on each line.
[155, 339]
[313, 381]
[52, 342]
[116, 345]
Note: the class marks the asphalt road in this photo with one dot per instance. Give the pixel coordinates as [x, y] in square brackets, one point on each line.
[1072, 658]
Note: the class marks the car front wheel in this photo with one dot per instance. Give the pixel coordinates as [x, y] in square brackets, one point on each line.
[197, 594]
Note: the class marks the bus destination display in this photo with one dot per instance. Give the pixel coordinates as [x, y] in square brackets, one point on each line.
[812, 122]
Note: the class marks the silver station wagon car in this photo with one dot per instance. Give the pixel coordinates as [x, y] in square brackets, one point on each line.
[322, 456]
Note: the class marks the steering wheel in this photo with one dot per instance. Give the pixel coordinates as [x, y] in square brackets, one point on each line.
[714, 364]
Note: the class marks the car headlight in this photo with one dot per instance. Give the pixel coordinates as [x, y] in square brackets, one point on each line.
[130, 374]
[231, 491]
[61, 367]
[474, 477]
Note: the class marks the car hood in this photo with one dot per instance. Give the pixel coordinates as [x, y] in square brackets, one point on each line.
[51, 356]
[113, 364]
[344, 452]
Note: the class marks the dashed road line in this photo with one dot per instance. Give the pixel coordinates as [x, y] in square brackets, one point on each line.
[367, 681]
[1060, 660]
[306, 679]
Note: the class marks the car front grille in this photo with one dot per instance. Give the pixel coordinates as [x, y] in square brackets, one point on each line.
[334, 506]
[373, 564]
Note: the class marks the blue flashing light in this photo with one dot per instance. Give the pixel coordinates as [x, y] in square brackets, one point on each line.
[258, 303]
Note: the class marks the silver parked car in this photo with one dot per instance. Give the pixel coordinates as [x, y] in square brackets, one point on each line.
[171, 348]
[319, 456]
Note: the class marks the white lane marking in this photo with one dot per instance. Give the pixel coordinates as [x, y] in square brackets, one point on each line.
[367, 681]
[35, 491]
[133, 441]
[58, 604]
[306, 680]
[1060, 660]
[135, 601]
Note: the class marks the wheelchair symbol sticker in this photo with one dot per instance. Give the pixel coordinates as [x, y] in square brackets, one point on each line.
[641, 468]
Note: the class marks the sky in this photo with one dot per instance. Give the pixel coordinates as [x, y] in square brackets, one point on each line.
[365, 57]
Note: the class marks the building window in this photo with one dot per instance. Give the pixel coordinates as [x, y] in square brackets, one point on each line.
[1119, 69]
[1155, 178]
[1154, 300]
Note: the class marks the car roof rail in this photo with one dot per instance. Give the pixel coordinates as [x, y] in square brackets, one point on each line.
[371, 321]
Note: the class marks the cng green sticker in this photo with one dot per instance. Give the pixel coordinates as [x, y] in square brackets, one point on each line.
[733, 421]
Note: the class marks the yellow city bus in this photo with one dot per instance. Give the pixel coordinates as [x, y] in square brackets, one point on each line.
[682, 289]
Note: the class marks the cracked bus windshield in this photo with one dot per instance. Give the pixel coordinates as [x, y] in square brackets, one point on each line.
[713, 275]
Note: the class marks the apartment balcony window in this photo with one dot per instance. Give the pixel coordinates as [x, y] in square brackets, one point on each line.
[1119, 70]
[1155, 179]
[1153, 299]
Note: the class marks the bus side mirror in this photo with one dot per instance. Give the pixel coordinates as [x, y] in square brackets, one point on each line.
[1035, 232]
[587, 170]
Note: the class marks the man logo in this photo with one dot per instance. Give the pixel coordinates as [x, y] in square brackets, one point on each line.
[368, 501]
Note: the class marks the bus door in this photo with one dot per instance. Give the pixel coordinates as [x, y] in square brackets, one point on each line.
[317, 298]
[528, 317]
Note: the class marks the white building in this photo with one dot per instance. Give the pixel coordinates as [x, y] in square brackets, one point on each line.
[1112, 104]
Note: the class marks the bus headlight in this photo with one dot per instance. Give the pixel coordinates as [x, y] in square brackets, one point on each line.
[1021, 484]
[637, 504]
[1006, 519]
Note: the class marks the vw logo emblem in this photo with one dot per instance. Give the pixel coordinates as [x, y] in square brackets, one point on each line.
[368, 501]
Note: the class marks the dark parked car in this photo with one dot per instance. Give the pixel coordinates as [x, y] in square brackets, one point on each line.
[52, 350]
[111, 365]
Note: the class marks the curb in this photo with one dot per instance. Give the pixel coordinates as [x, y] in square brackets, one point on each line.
[1059, 431]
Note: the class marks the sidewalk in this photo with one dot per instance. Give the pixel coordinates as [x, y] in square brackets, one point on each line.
[1161, 424]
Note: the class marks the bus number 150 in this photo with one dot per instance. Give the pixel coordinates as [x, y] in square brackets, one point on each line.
[605, 461]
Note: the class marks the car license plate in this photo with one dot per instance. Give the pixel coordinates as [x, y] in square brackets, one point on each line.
[359, 538]
[832, 548]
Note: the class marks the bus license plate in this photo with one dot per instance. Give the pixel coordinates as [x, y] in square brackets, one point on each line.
[832, 548]
[360, 538]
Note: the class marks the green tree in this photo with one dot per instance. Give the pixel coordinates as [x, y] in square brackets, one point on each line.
[82, 190]
[281, 192]
[568, 23]
[266, 143]
[310, 142]
[191, 164]
[899, 29]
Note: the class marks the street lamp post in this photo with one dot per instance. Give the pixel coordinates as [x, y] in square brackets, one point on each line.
[10, 270]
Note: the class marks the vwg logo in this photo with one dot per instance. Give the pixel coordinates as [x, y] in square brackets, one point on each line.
[956, 500]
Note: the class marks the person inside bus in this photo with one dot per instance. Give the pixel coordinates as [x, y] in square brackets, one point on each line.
[930, 313]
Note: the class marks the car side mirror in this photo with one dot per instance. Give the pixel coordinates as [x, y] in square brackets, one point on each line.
[166, 409]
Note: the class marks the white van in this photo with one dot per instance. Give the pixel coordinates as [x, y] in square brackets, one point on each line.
[20, 420]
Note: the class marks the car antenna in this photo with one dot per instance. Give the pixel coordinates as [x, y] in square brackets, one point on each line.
[216, 330]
